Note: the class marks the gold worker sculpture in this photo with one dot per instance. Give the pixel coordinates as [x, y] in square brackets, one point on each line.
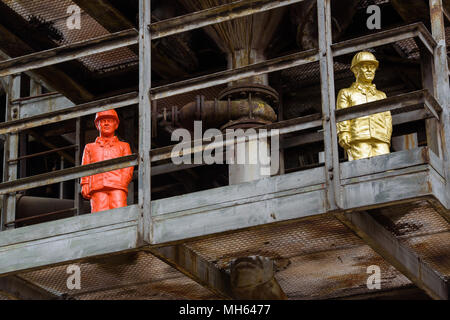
[367, 136]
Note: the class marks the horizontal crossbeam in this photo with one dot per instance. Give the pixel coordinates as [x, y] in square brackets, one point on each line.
[67, 174]
[69, 113]
[218, 14]
[397, 254]
[69, 52]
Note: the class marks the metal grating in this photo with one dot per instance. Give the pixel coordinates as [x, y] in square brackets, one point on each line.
[55, 11]
[337, 273]
[434, 249]
[413, 219]
[106, 277]
[317, 234]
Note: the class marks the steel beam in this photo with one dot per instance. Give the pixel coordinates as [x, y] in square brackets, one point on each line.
[68, 52]
[218, 78]
[70, 239]
[69, 113]
[145, 130]
[67, 174]
[22, 289]
[195, 267]
[214, 15]
[332, 171]
[283, 127]
[417, 99]
[42, 103]
[441, 72]
[11, 151]
[399, 255]
[415, 30]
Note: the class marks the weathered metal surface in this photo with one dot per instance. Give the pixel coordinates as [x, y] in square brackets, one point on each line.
[67, 174]
[385, 37]
[239, 206]
[287, 126]
[328, 105]
[22, 289]
[223, 77]
[378, 181]
[400, 256]
[441, 71]
[44, 103]
[11, 151]
[145, 122]
[195, 267]
[68, 239]
[135, 275]
[395, 103]
[69, 113]
[214, 15]
[19, 38]
[68, 52]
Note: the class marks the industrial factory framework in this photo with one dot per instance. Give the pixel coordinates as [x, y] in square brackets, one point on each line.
[318, 226]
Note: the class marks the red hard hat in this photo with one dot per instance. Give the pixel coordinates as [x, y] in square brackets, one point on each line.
[104, 114]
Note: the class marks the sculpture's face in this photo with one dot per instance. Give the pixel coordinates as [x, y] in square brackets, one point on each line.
[107, 126]
[365, 71]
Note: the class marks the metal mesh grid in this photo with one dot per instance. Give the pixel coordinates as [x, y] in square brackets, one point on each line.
[148, 275]
[321, 233]
[413, 219]
[337, 273]
[434, 249]
[56, 12]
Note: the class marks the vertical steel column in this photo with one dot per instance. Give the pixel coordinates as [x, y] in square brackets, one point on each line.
[79, 141]
[429, 83]
[61, 184]
[144, 192]
[11, 151]
[328, 105]
[442, 82]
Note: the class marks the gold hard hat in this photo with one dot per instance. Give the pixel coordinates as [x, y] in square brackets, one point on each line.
[364, 56]
[106, 114]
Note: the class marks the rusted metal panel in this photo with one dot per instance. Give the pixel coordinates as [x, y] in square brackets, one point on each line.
[399, 255]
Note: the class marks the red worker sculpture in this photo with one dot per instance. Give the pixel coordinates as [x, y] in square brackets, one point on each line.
[106, 190]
